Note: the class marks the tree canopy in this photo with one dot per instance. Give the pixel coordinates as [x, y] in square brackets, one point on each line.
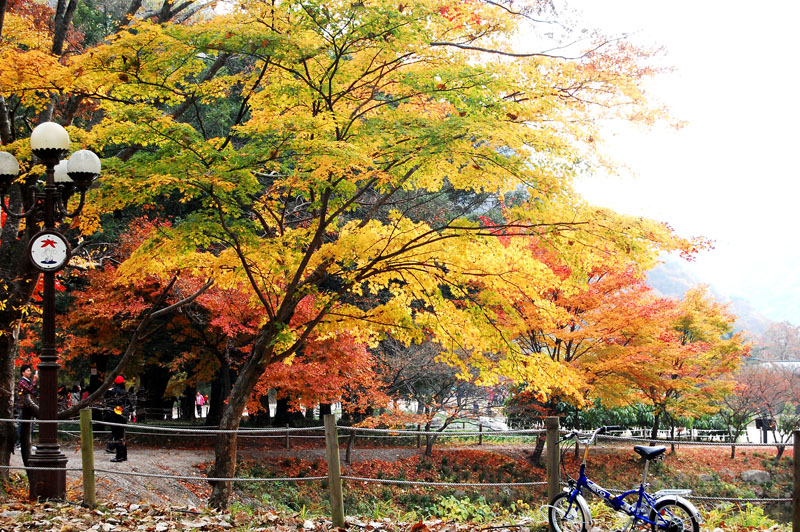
[302, 140]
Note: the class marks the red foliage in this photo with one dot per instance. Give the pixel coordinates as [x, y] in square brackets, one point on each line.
[459, 11]
[43, 16]
[328, 370]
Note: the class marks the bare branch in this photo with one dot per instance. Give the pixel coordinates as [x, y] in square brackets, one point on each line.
[184, 301]
[531, 54]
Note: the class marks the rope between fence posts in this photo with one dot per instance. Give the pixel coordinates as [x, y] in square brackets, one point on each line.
[283, 431]
[708, 499]
[447, 484]
[37, 420]
[138, 429]
[302, 479]
[240, 432]
[357, 479]
[704, 498]
[733, 499]
[362, 430]
[693, 443]
[207, 479]
[157, 428]
[42, 468]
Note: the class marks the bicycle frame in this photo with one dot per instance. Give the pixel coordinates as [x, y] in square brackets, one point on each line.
[641, 510]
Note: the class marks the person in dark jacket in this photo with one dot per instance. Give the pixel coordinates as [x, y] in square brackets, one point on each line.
[29, 409]
[119, 407]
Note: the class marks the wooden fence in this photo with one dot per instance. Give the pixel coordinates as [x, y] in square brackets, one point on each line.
[335, 485]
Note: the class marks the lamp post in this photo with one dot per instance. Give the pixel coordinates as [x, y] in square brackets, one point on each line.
[49, 251]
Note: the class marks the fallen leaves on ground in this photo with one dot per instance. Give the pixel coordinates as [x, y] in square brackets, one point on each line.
[67, 517]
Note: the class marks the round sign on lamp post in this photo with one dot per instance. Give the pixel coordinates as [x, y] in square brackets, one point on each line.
[49, 251]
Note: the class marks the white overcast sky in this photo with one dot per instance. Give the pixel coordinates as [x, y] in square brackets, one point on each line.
[731, 174]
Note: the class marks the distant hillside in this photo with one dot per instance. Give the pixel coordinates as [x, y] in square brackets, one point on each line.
[673, 280]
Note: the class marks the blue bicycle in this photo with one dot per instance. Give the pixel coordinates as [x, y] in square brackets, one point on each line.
[664, 510]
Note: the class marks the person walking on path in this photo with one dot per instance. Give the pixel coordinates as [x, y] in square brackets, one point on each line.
[29, 409]
[119, 405]
[199, 401]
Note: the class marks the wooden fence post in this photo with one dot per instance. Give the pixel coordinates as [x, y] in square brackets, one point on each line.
[419, 436]
[334, 471]
[796, 482]
[480, 434]
[87, 459]
[553, 456]
[287, 435]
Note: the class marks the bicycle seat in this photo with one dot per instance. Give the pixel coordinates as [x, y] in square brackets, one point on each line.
[649, 453]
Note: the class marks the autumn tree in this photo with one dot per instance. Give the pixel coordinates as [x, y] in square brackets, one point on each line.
[348, 117]
[690, 363]
[416, 375]
[781, 341]
[324, 372]
[744, 403]
[774, 388]
[602, 313]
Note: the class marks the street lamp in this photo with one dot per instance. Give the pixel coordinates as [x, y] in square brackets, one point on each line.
[49, 252]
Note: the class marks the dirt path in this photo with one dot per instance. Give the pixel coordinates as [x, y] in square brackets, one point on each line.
[137, 489]
[113, 485]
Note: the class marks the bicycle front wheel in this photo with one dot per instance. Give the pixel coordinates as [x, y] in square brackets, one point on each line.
[566, 516]
[673, 516]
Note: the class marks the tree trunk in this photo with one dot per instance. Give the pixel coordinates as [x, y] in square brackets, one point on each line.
[672, 437]
[781, 448]
[19, 282]
[3, 4]
[261, 418]
[154, 379]
[225, 448]
[430, 439]
[325, 409]
[63, 18]
[654, 432]
[187, 403]
[61, 22]
[536, 457]
[281, 412]
[8, 430]
[220, 390]
[5, 123]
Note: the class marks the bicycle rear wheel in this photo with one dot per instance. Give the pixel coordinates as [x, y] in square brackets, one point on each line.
[566, 516]
[673, 516]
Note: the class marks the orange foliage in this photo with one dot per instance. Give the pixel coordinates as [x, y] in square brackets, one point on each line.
[327, 370]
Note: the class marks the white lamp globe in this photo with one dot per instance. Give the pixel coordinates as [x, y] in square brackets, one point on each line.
[49, 135]
[61, 173]
[8, 164]
[83, 161]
